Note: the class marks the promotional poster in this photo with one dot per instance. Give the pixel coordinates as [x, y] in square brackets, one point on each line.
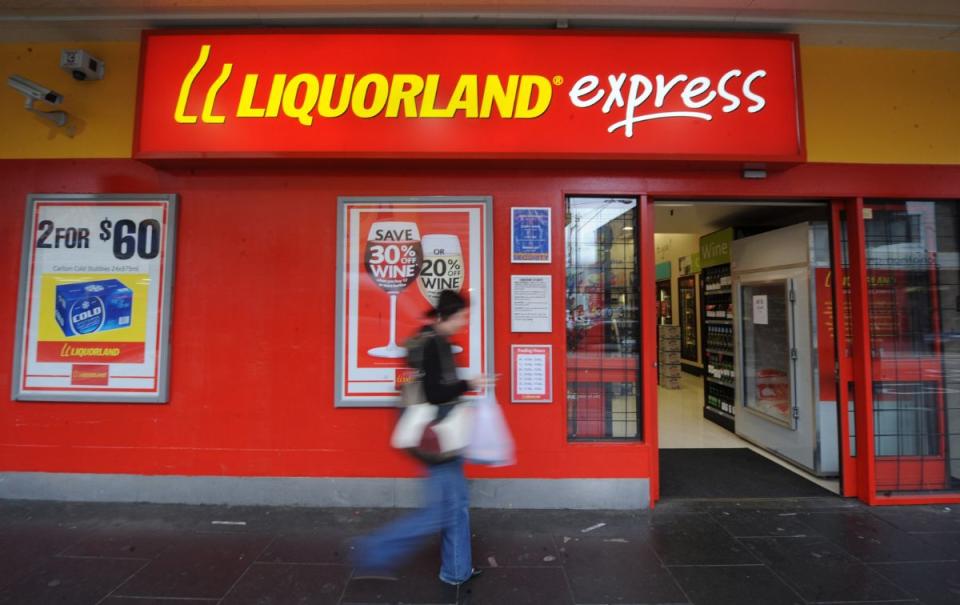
[94, 299]
[396, 256]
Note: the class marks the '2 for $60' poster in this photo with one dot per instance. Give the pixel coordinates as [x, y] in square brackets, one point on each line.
[94, 305]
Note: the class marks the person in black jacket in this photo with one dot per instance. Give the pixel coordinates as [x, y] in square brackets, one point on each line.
[447, 506]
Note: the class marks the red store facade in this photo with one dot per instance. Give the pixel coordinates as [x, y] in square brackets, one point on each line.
[266, 138]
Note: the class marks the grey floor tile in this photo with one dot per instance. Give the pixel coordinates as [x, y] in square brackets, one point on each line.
[870, 538]
[808, 504]
[947, 543]
[603, 571]
[716, 585]
[26, 547]
[514, 548]
[293, 584]
[330, 546]
[141, 601]
[136, 543]
[197, 566]
[922, 518]
[695, 539]
[932, 583]
[821, 571]
[517, 586]
[416, 583]
[562, 522]
[70, 581]
[410, 587]
[762, 523]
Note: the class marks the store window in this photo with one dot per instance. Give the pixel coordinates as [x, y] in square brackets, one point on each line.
[913, 278]
[603, 327]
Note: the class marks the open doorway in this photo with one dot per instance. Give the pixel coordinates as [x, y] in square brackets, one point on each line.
[742, 349]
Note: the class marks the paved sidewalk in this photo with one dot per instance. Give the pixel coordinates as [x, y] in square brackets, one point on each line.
[817, 550]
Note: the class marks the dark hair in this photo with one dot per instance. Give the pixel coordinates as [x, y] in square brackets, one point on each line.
[448, 303]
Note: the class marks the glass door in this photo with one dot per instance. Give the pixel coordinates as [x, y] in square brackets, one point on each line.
[777, 406]
[687, 288]
[603, 319]
[767, 349]
[913, 304]
[664, 303]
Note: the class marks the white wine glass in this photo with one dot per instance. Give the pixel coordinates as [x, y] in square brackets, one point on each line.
[442, 269]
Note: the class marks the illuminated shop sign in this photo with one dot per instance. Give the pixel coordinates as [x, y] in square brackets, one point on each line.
[395, 94]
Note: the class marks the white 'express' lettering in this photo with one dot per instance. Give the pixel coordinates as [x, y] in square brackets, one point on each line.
[696, 93]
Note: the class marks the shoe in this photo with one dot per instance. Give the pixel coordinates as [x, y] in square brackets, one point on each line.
[474, 572]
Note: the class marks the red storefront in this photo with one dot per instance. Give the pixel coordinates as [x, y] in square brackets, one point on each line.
[267, 138]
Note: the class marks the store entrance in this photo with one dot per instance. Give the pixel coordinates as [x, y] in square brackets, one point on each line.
[745, 346]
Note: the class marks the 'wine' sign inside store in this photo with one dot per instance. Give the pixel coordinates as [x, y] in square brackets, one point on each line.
[469, 95]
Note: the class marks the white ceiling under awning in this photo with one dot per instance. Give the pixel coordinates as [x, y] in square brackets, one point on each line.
[917, 24]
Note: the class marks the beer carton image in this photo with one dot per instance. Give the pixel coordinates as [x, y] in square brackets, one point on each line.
[94, 306]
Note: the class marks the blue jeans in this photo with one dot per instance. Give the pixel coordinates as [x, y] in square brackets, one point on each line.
[447, 510]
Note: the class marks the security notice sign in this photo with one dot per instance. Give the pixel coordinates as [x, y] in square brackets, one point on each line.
[395, 257]
[95, 288]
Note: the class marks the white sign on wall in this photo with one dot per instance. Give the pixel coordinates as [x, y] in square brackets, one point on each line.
[530, 303]
[93, 319]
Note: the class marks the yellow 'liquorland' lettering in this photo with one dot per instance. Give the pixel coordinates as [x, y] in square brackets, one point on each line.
[301, 108]
[505, 98]
[524, 95]
[404, 89]
[427, 104]
[324, 107]
[375, 86]
[180, 113]
[69, 350]
[246, 108]
[464, 97]
[306, 96]
[276, 95]
[208, 117]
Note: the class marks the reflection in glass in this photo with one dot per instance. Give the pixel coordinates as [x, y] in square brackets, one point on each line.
[688, 317]
[913, 282]
[766, 346]
[602, 318]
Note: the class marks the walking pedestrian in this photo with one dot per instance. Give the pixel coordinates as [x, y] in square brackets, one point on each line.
[446, 499]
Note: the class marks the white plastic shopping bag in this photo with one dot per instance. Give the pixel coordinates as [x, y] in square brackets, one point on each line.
[413, 421]
[492, 443]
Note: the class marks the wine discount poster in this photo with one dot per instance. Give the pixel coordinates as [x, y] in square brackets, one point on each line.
[395, 256]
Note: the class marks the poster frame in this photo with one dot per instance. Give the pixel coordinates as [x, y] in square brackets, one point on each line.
[341, 278]
[165, 318]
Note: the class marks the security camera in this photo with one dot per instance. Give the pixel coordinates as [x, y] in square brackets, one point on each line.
[81, 64]
[32, 91]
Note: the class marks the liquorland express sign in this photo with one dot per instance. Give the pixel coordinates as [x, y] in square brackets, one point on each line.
[469, 94]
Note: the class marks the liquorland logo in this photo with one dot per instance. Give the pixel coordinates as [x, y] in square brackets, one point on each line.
[629, 99]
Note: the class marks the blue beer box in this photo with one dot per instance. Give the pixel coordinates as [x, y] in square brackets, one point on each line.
[94, 306]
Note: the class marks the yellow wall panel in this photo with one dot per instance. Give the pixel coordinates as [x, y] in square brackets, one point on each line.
[881, 106]
[102, 111]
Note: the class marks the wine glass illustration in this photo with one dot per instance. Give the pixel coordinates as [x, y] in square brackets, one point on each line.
[392, 259]
[442, 269]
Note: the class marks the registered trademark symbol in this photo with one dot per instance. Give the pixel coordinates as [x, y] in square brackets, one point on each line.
[558, 80]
